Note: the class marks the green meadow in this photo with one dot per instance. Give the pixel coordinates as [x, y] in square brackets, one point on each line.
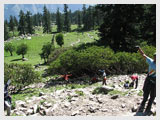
[36, 43]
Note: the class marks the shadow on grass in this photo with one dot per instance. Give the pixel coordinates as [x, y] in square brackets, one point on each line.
[16, 60]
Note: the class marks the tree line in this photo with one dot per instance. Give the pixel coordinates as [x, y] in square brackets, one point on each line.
[120, 26]
[86, 19]
[125, 26]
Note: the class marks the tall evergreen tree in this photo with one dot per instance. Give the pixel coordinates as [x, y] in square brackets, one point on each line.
[6, 31]
[15, 21]
[59, 21]
[29, 26]
[79, 20]
[11, 24]
[84, 18]
[46, 21]
[121, 27]
[67, 25]
[22, 23]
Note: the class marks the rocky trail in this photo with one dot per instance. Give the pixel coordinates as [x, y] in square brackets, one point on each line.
[82, 101]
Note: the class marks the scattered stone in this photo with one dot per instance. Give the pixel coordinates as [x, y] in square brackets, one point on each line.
[92, 109]
[114, 96]
[47, 105]
[134, 108]
[35, 107]
[41, 94]
[75, 113]
[67, 104]
[100, 100]
[21, 103]
[24, 59]
[30, 112]
[123, 105]
[23, 109]
[29, 38]
[104, 110]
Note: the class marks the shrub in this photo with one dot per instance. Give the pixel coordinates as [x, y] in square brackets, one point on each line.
[20, 75]
[9, 48]
[59, 39]
[46, 50]
[55, 54]
[89, 60]
[22, 49]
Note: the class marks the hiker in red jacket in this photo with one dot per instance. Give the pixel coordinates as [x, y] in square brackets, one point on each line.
[66, 77]
[134, 80]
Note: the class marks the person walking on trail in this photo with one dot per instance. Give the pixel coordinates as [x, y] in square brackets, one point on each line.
[104, 77]
[149, 87]
[134, 80]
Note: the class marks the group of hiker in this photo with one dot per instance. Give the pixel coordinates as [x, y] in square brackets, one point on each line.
[149, 87]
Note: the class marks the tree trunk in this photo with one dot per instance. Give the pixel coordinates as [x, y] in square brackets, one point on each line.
[11, 53]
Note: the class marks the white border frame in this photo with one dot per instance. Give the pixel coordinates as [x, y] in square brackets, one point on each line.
[157, 2]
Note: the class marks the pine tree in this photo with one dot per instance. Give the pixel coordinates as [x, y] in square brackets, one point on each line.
[11, 24]
[59, 22]
[6, 31]
[29, 26]
[67, 25]
[46, 21]
[79, 20]
[15, 21]
[84, 18]
[22, 23]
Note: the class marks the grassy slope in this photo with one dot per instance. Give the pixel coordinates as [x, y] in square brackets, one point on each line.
[37, 42]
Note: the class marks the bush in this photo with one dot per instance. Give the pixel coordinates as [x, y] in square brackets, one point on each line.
[46, 50]
[91, 59]
[9, 48]
[22, 49]
[55, 54]
[86, 61]
[59, 39]
[20, 75]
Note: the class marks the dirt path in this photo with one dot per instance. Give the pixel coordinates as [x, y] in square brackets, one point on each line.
[72, 44]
